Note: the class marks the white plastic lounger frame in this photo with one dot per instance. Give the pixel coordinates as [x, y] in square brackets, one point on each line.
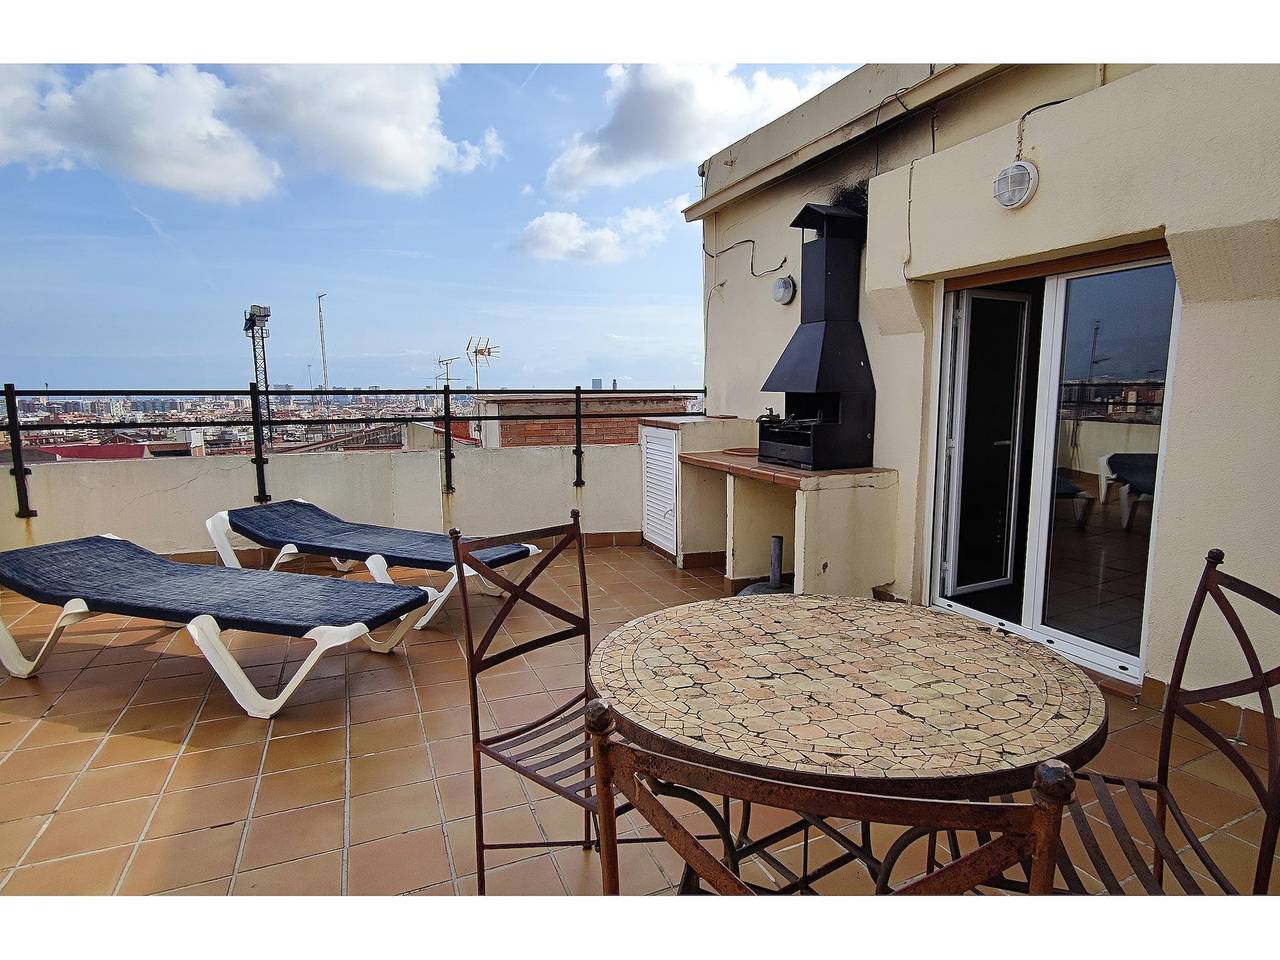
[219, 527]
[1128, 502]
[207, 634]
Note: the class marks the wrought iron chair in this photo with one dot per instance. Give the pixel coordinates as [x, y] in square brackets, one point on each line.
[1152, 801]
[1025, 832]
[553, 751]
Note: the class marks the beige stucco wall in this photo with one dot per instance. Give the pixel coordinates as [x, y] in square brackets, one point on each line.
[514, 488]
[846, 537]
[162, 503]
[1180, 152]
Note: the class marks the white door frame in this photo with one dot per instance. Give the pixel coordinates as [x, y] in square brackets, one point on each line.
[1094, 655]
[961, 321]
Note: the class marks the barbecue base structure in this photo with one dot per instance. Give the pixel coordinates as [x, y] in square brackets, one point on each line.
[837, 525]
[844, 694]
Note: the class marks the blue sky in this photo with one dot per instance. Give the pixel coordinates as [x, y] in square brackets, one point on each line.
[142, 209]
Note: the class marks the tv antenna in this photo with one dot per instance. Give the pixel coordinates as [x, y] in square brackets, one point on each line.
[255, 328]
[443, 375]
[479, 352]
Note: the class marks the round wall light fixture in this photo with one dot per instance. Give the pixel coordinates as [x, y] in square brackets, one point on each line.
[1015, 185]
[784, 290]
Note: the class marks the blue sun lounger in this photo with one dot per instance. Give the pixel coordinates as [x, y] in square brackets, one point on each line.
[98, 575]
[297, 527]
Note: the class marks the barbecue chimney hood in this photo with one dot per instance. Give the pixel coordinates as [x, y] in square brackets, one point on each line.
[824, 371]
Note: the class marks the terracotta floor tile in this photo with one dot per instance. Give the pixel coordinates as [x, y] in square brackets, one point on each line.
[29, 798]
[1216, 768]
[292, 834]
[143, 745]
[517, 710]
[227, 732]
[428, 672]
[378, 736]
[71, 728]
[513, 825]
[15, 837]
[318, 876]
[379, 681]
[397, 810]
[399, 864]
[500, 686]
[47, 761]
[92, 828]
[309, 717]
[380, 706]
[209, 888]
[444, 696]
[151, 716]
[446, 724]
[454, 756]
[91, 874]
[25, 708]
[305, 749]
[525, 878]
[195, 769]
[183, 860]
[1206, 801]
[1144, 738]
[112, 784]
[304, 786]
[638, 875]
[393, 768]
[501, 788]
[201, 807]
[1239, 861]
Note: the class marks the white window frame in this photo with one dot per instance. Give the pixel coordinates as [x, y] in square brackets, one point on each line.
[1088, 653]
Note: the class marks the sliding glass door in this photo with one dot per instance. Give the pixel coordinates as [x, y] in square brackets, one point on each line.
[1100, 443]
[1055, 542]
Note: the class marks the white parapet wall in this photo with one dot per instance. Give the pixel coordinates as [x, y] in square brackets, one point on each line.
[162, 503]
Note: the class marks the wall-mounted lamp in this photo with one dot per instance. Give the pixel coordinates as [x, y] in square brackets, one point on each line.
[1015, 185]
[784, 290]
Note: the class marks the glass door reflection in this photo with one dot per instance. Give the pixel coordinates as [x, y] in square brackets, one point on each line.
[1110, 393]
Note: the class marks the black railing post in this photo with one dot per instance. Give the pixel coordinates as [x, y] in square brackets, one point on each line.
[577, 436]
[448, 442]
[259, 460]
[19, 469]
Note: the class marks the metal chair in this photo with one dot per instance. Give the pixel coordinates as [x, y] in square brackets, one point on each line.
[553, 751]
[1025, 832]
[1152, 801]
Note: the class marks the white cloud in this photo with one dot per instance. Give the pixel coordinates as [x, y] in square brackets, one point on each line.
[563, 235]
[664, 115]
[188, 130]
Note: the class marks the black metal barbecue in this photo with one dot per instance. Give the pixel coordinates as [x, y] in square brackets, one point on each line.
[828, 419]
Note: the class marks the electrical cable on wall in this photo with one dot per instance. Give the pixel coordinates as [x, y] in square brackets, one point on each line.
[752, 266]
[1023, 119]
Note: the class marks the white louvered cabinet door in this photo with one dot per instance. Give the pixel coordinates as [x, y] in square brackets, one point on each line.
[658, 453]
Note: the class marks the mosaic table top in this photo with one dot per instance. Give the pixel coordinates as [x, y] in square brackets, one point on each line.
[850, 692]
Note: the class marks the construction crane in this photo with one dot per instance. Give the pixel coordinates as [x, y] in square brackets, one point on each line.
[479, 352]
[324, 358]
[255, 328]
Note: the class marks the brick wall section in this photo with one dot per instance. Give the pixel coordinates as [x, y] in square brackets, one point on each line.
[553, 433]
[550, 433]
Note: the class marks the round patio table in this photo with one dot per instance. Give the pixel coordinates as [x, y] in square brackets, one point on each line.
[849, 694]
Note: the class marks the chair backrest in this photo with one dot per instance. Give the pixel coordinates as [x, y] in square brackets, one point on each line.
[479, 657]
[1222, 588]
[1014, 832]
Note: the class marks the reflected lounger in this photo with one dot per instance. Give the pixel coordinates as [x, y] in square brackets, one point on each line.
[297, 527]
[100, 575]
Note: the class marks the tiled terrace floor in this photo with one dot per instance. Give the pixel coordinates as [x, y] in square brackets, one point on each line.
[127, 768]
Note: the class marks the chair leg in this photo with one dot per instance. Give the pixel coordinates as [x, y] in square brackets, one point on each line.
[479, 819]
[208, 637]
[73, 611]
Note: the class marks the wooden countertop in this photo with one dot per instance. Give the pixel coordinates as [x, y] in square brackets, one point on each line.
[752, 468]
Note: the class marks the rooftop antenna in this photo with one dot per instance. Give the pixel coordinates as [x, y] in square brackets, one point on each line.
[479, 352]
[324, 359]
[255, 328]
[443, 363]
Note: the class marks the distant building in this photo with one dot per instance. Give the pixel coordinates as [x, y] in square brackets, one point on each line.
[551, 433]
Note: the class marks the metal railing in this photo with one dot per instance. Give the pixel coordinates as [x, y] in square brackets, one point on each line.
[258, 423]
